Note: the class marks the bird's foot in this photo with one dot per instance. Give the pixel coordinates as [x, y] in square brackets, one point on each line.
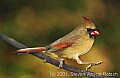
[61, 63]
[93, 64]
[90, 64]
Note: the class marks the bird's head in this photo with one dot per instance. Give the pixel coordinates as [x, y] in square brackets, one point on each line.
[90, 27]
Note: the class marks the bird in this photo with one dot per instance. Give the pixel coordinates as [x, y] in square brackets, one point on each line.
[73, 45]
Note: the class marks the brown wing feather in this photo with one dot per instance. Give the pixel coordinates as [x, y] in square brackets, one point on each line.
[63, 43]
[60, 45]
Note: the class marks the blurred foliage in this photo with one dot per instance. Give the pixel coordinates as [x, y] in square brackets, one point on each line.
[40, 22]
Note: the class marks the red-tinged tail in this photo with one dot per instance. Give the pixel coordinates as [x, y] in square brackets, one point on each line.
[31, 50]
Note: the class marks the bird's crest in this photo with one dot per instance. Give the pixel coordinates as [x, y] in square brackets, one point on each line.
[87, 21]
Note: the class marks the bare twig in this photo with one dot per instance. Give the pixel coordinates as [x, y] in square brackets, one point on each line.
[52, 61]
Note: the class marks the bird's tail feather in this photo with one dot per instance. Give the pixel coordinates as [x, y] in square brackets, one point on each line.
[31, 50]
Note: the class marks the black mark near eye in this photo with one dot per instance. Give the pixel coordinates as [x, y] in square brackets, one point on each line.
[90, 30]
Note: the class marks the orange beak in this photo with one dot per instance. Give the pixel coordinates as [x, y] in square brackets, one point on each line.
[95, 33]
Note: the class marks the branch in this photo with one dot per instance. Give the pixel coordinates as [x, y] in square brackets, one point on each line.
[52, 61]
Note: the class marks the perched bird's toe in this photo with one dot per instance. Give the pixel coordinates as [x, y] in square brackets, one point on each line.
[100, 62]
[61, 63]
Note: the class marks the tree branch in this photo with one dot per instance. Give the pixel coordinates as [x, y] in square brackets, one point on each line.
[52, 61]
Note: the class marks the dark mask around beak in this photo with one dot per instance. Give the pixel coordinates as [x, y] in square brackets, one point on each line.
[93, 32]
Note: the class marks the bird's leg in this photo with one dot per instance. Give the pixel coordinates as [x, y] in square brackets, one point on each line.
[61, 60]
[90, 64]
[61, 63]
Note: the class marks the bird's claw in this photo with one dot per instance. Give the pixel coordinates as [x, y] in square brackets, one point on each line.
[61, 63]
[93, 64]
[88, 67]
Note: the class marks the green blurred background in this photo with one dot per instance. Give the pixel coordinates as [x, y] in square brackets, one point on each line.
[40, 22]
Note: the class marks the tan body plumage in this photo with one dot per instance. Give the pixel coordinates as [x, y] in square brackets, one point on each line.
[81, 45]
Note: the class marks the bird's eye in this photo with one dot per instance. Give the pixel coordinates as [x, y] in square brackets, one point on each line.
[88, 29]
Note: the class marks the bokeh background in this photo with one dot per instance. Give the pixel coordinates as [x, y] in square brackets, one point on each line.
[40, 22]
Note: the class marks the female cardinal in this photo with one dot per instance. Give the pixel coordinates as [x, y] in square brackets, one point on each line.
[71, 46]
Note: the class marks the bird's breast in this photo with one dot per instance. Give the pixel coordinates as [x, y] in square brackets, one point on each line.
[80, 47]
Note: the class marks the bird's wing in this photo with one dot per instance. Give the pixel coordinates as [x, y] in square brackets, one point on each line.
[62, 43]
[57, 47]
